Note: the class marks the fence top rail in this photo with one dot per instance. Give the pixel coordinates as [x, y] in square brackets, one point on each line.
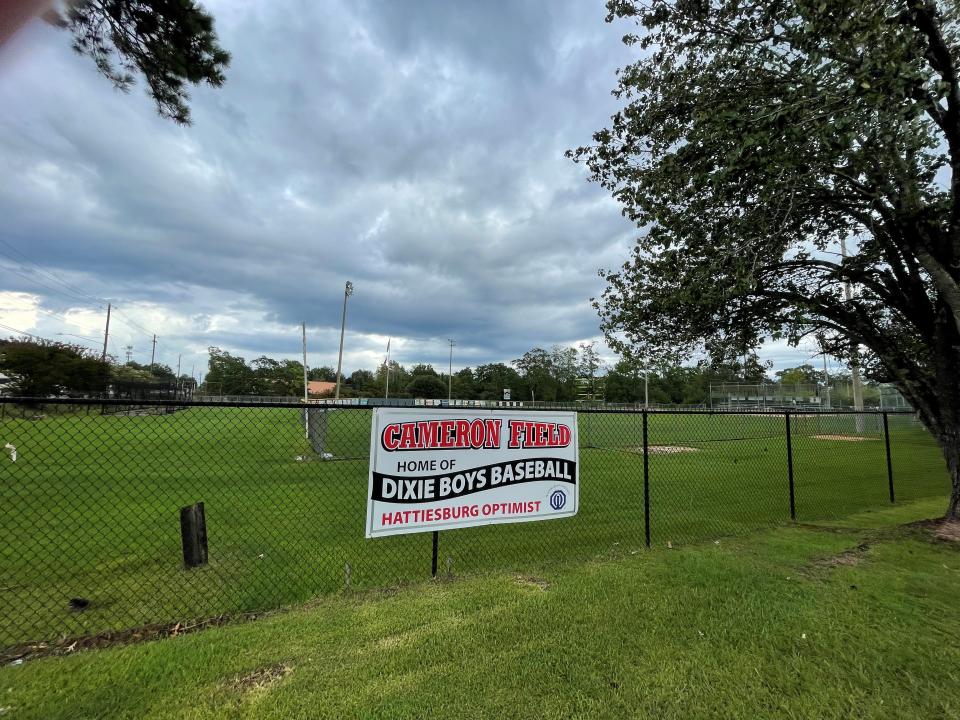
[314, 405]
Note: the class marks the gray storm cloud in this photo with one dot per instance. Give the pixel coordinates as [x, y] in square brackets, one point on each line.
[415, 148]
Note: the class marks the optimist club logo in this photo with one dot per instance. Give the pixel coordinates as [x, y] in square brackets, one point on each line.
[558, 498]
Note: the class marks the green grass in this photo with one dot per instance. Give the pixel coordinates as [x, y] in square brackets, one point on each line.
[91, 506]
[762, 625]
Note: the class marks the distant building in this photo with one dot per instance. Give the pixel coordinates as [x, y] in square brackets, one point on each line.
[320, 388]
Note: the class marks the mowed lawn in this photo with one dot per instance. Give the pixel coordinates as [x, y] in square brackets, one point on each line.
[855, 621]
[91, 506]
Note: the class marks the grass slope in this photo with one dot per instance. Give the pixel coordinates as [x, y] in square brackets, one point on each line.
[789, 622]
[91, 506]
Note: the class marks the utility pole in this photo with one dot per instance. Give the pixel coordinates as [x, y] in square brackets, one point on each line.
[129, 349]
[106, 335]
[450, 372]
[179, 355]
[306, 397]
[347, 292]
[646, 388]
[854, 355]
[153, 352]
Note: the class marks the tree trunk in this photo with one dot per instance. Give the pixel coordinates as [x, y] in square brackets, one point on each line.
[950, 444]
[943, 422]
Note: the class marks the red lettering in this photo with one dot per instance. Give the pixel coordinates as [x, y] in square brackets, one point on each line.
[408, 437]
[492, 433]
[390, 439]
[543, 434]
[477, 431]
[428, 433]
[515, 430]
[446, 434]
[462, 434]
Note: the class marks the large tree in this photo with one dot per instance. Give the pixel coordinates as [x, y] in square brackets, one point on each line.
[228, 374]
[42, 368]
[170, 44]
[426, 386]
[325, 373]
[759, 138]
[536, 368]
[589, 364]
[493, 379]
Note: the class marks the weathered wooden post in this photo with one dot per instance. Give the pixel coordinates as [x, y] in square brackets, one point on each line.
[193, 534]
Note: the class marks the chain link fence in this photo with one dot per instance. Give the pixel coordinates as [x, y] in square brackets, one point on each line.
[92, 491]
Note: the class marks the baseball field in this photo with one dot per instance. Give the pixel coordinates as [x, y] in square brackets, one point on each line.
[91, 535]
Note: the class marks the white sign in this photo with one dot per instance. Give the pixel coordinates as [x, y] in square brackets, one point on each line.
[438, 470]
[506, 393]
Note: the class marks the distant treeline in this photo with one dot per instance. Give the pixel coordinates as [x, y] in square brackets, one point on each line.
[559, 374]
[44, 368]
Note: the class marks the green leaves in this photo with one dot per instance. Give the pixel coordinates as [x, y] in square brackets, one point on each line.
[170, 43]
[753, 139]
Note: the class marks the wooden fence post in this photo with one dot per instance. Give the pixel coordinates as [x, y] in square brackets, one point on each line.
[193, 534]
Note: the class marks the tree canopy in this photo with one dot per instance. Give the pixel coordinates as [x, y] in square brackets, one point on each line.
[43, 368]
[171, 44]
[794, 167]
[426, 386]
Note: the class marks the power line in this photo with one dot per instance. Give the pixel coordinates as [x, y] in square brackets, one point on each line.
[63, 293]
[20, 332]
[68, 291]
[49, 273]
[27, 334]
[130, 321]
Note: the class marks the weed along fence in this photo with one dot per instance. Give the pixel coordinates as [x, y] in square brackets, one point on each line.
[114, 519]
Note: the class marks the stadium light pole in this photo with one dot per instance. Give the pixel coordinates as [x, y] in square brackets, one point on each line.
[450, 372]
[347, 292]
[826, 381]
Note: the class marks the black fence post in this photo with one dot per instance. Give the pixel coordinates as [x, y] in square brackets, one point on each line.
[793, 506]
[436, 550]
[646, 481]
[886, 440]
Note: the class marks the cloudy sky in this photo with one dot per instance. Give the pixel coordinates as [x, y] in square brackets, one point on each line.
[414, 148]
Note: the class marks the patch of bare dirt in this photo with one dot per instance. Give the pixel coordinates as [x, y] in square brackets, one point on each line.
[844, 438]
[667, 449]
[848, 558]
[531, 582]
[948, 531]
[844, 559]
[261, 678]
[938, 529]
[391, 641]
[143, 633]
